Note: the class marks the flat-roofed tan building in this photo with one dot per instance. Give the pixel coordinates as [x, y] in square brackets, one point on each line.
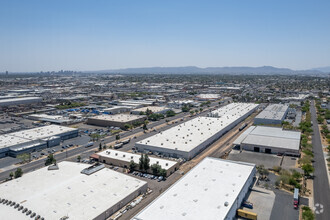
[123, 159]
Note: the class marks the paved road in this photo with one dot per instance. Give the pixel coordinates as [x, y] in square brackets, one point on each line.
[283, 206]
[321, 183]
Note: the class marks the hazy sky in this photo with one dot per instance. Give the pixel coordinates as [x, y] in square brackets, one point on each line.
[47, 35]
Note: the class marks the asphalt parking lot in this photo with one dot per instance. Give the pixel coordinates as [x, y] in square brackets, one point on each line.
[263, 202]
[283, 206]
[268, 160]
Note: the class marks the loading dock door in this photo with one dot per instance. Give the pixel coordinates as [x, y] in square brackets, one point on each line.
[268, 151]
[256, 149]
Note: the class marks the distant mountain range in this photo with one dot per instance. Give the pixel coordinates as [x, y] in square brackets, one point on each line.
[325, 69]
[264, 70]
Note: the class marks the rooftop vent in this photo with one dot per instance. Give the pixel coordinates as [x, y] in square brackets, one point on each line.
[226, 204]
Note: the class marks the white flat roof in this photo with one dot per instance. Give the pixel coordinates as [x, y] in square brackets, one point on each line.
[118, 117]
[125, 156]
[234, 108]
[270, 137]
[53, 117]
[9, 140]
[188, 135]
[54, 194]
[42, 132]
[117, 107]
[19, 99]
[201, 193]
[29, 135]
[208, 96]
[154, 109]
[273, 111]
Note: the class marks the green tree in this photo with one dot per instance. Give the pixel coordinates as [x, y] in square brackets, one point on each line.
[185, 108]
[148, 112]
[132, 165]
[307, 213]
[79, 158]
[155, 168]
[117, 137]
[144, 127]
[50, 160]
[100, 147]
[11, 175]
[170, 113]
[162, 172]
[192, 112]
[18, 173]
[127, 126]
[24, 157]
[141, 161]
[308, 169]
[146, 162]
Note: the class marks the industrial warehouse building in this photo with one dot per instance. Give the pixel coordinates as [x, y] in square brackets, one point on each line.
[26, 141]
[117, 109]
[118, 120]
[68, 193]
[207, 97]
[153, 109]
[55, 119]
[123, 159]
[189, 138]
[20, 101]
[272, 114]
[270, 140]
[213, 189]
